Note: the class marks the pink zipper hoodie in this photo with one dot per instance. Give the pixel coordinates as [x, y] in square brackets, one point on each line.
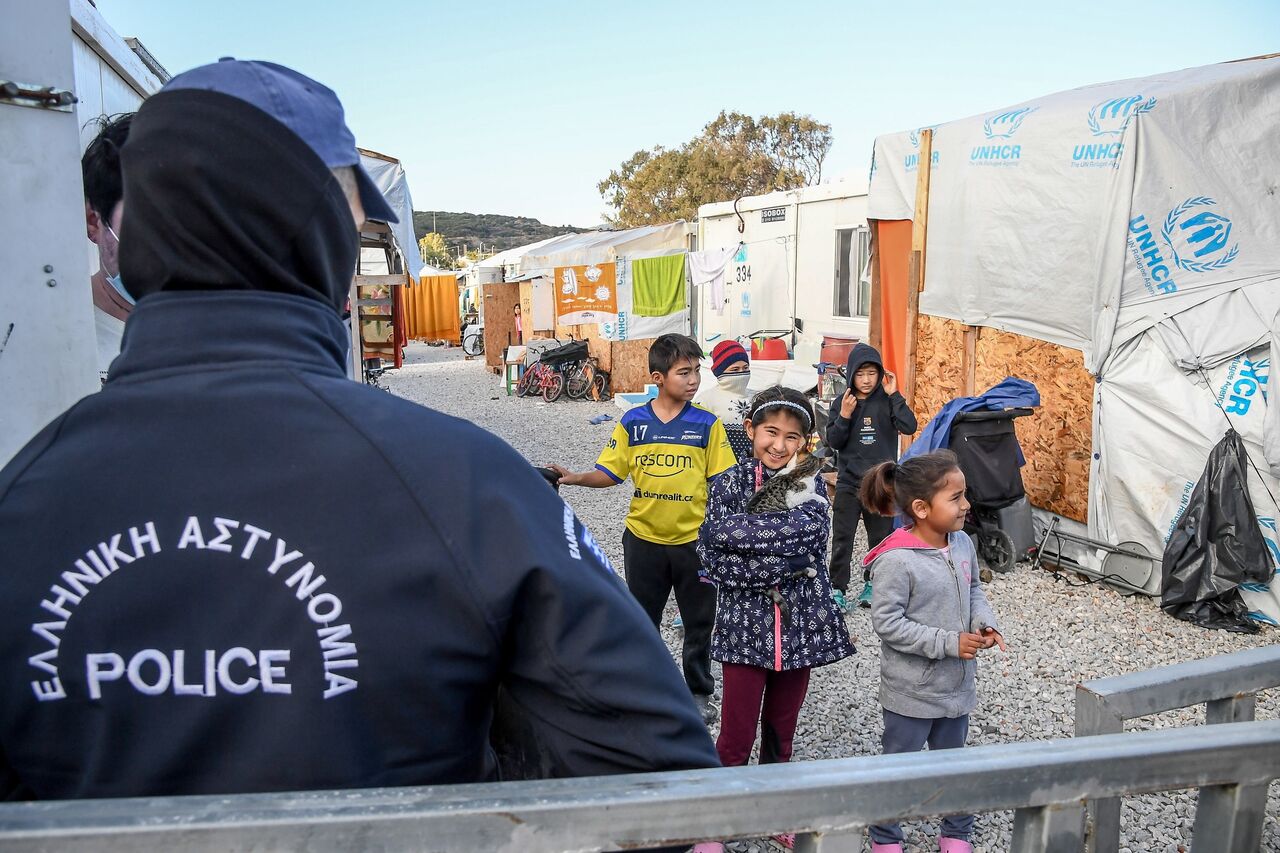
[921, 601]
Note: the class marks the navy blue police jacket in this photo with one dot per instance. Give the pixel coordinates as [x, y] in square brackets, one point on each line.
[235, 570]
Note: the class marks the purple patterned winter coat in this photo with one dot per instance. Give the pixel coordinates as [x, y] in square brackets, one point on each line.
[746, 556]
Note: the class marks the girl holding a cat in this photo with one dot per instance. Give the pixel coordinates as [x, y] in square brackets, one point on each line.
[763, 543]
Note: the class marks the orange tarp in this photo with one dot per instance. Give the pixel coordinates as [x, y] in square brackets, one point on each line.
[431, 309]
[585, 294]
[893, 250]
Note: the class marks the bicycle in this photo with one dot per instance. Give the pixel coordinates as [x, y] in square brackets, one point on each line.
[539, 377]
[586, 379]
[550, 372]
[473, 342]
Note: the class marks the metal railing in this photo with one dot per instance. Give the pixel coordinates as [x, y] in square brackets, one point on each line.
[827, 803]
[1227, 685]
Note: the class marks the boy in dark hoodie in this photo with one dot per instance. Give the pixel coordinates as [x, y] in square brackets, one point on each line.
[864, 431]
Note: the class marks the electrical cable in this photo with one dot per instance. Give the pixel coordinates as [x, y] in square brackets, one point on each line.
[1231, 425]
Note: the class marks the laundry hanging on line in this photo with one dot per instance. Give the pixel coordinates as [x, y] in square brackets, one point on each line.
[707, 268]
[658, 285]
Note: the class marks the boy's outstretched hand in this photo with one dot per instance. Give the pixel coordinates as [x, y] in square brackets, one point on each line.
[890, 383]
[596, 479]
[992, 637]
[970, 644]
[566, 476]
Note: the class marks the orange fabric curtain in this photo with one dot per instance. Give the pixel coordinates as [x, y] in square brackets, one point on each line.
[431, 309]
[893, 250]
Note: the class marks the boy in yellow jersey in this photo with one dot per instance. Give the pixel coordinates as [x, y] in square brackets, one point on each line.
[670, 448]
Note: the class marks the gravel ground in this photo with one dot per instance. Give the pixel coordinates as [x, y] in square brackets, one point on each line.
[1058, 634]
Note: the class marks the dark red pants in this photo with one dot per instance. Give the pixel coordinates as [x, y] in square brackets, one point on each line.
[758, 697]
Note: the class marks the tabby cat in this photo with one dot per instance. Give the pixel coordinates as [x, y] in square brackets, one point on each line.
[786, 490]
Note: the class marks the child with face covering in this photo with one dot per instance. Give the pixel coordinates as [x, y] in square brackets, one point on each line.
[728, 397]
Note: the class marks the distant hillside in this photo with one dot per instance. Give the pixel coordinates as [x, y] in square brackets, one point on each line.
[496, 232]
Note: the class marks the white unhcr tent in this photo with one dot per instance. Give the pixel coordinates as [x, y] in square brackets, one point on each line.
[622, 248]
[1138, 222]
[388, 176]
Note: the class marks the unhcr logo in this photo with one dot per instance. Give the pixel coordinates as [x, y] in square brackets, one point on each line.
[914, 136]
[1005, 125]
[912, 161]
[997, 127]
[1197, 241]
[1108, 120]
[1272, 537]
[1198, 238]
[1245, 383]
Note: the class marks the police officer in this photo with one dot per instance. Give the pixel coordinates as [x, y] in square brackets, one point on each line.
[280, 579]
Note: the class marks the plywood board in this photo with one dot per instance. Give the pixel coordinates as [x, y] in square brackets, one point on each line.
[1057, 440]
[630, 371]
[626, 361]
[939, 372]
[500, 301]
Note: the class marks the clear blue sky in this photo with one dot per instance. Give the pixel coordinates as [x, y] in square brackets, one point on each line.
[521, 108]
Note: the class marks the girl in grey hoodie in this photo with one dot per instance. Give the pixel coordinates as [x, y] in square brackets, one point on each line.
[932, 617]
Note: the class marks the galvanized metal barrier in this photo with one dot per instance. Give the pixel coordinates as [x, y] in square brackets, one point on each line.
[827, 802]
[1226, 684]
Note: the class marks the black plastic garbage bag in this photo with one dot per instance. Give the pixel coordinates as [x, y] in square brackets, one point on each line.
[1216, 546]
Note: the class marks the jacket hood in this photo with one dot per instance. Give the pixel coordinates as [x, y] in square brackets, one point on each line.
[863, 354]
[902, 539]
[218, 195]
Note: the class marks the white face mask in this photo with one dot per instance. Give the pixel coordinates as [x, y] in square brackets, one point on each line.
[735, 383]
[115, 280]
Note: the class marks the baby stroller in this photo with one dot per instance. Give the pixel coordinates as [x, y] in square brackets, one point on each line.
[999, 515]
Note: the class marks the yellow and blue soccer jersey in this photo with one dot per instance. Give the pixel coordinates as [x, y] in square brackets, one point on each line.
[669, 463]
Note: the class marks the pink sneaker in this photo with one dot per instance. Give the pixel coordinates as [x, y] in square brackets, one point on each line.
[786, 839]
[885, 848]
[954, 845]
[708, 847]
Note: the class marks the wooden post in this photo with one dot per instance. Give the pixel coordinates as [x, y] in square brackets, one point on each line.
[875, 323]
[916, 265]
[969, 363]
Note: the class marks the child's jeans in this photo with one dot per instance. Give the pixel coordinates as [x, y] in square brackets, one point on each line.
[746, 690]
[910, 734]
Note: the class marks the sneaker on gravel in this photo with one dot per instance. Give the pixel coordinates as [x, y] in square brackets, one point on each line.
[706, 708]
[864, 597]
[677, 622]
[885, 848]
[954, 845]
[839, 599]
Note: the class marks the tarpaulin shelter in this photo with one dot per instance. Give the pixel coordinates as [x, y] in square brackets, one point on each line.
[389, 177]
[1118, 245]
[389, 261]
[619, 340]
[524, 276]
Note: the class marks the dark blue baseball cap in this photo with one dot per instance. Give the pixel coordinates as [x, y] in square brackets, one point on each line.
[311, 110]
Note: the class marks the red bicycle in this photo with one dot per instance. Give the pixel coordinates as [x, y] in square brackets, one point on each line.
[539, 377]
[549, 374]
